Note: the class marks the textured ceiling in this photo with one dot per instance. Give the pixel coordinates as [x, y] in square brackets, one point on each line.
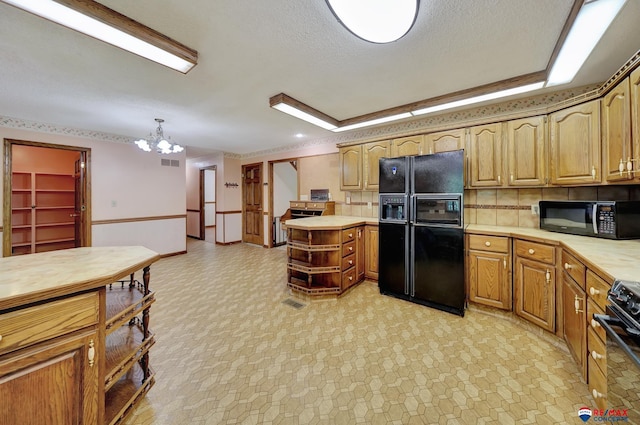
[251, 50]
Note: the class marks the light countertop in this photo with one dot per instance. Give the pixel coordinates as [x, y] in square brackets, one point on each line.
[37, 277]
[618, 259]
[329, 222]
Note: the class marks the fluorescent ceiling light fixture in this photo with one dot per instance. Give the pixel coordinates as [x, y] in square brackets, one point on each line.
[377, 21]
[290, 106]
[591, 23]
[373, 122]
[98, 21]
[481, 98]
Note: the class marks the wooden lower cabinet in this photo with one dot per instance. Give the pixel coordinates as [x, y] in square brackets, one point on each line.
[489, 271]
[371, 252]
[54, 383]
[78, 358]
[535, 283]
[324, 260]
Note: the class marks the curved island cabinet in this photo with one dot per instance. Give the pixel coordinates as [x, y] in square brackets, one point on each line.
[74, 335]
[325, 255]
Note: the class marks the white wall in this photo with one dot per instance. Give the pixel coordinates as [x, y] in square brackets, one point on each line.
[126, 184]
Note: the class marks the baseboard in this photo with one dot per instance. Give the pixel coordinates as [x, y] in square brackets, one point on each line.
[171, 254]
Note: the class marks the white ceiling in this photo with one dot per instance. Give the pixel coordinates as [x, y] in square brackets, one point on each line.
[250, 50]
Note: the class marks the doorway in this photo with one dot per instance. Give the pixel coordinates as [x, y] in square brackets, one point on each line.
[208, 204]
[252, 221]
[46, 197]
[283, 175]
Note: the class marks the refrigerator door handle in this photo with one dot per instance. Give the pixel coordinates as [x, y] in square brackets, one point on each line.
[409, 286]
[412, 209]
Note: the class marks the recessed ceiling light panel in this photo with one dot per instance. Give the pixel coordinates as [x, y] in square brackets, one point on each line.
[376, 21]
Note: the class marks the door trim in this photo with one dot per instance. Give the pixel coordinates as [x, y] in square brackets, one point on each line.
[8, 182]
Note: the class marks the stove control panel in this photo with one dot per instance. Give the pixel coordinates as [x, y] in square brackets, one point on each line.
[624, 298]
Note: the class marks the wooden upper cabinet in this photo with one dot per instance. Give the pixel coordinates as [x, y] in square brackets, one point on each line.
[526, 153]
[444, 141]
[616, 131]
[634, 83]
[351, 167]
[372, 152]
[485, 151]
[413, 145]
[575, 145]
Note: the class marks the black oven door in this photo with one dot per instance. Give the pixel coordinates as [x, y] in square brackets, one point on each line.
[623, 366]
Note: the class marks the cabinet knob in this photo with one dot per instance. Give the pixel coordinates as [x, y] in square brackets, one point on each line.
[621, 167]
[487, 243]
[596, 394]
[0, 337]
[350, 248]
[350, 278]
[547, 276]
[350, 235]
[594, 323]
[350, 262]
[532, 251]
[593, 172]
[499, 182]
[567, 266]
[596, 356]
[594, 291]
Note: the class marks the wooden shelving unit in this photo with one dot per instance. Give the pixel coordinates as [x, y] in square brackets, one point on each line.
[324, 261]
[42, 208]
[128, 376]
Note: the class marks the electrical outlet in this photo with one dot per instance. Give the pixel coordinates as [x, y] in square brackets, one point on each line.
[348, 200]
[369, 205]
[535, 210]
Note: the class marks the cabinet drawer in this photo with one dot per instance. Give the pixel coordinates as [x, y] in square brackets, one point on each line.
[296, 204]
[349, 234]
[348, 261]
[597, 289]
[597, 384]
[316, 205]
[535, 251]
[574, 267]
[348, 248]
[597, 351]
[29, 326]
[489, 243]
[348, 278]
[592, 308]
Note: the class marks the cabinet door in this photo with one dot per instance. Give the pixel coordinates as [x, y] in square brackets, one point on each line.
[372, 152]
[54, 384]
[371, 252]
[407, 146]
[534, 293]
[526, 153]
[360, 254]
[485, 146]
[444, 141]
[351, 168]
[635, 118]
[574, 318]
[575, 144]
[488, 277]
[616, 131]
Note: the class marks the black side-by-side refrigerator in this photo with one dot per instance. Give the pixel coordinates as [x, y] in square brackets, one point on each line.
[421, 240]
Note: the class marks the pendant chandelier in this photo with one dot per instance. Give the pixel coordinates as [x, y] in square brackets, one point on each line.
[158, 142]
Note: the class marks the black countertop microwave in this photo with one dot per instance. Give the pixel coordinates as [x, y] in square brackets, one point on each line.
[602, 219]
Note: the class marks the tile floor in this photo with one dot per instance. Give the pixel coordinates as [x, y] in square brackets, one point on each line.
[230, 351]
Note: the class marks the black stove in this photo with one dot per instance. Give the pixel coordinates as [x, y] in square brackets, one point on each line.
[624, 302]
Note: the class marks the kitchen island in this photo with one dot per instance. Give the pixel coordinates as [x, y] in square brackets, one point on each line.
[74, 335]
[325, 255]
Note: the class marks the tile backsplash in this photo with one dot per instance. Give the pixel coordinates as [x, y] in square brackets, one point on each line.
[502, 207]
